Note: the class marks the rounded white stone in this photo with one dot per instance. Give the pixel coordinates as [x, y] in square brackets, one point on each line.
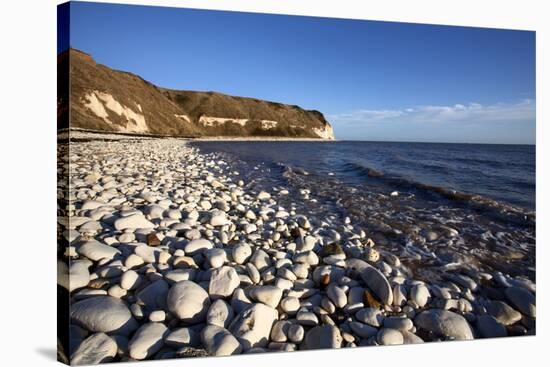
[290, 305]
[183, 337]
[337, 295]
[267, 294]
[295, 333]
[97, 348]
[216, 257]
[103, 314]
[219, 218]
[389, 337]
[444, 323]
[420, 294]
[198, 245]
[134, 221]
[219, 314]
[241, 252]
[188, 301]
[325, 336]
[130, 280]
[279, 331]
[147, 340]
[218, 341]
[223, 282]
[96, 251]
[253, 325]
[79, 275]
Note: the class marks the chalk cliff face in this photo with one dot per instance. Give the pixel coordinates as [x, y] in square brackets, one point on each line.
[99, 98]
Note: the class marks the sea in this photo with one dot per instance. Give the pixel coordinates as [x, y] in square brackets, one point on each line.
[436, 205]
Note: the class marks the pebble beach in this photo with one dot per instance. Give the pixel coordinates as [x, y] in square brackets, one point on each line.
[166, 252]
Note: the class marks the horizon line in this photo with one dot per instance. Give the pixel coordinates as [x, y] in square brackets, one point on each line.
[428, 142]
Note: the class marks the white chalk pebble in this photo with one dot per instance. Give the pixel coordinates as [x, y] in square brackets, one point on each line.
[172, 254]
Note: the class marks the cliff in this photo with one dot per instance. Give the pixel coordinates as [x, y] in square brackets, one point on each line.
[100, 98]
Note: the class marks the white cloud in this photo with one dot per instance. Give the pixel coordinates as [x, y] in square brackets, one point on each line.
[472, 113]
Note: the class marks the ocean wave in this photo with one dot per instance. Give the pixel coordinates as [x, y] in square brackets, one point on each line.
[361, 170]
[490, 162]
[423, 163]
[386, 182]
[403, 183]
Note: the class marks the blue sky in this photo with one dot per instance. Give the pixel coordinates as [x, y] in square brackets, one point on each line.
[372, 80]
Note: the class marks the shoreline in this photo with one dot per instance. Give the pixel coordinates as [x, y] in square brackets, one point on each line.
[64, 133]
[154, 228]
[77, 133]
